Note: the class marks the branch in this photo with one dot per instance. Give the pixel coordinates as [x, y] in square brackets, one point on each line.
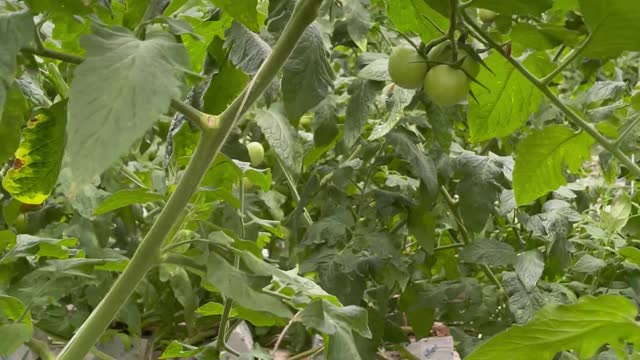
[451, 34]
[307, 353]
[196, 117]
[53, 54]
[571, 115]
[566, 61]
[211, 141]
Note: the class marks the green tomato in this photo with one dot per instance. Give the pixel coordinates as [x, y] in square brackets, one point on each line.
[247, 185]
[406, 67]
[442, 53]
[486, 16]
[446, 85]
[305, 121]
[256, 153]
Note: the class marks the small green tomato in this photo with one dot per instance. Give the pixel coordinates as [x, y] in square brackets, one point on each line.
[256, 153]
[445, 85]
[406, 67]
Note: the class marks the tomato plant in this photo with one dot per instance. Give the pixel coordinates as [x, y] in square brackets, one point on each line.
[141, 219]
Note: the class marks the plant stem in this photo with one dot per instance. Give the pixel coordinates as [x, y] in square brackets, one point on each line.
[307, 353]
[571, 115]
[566, 61]
[294, 190]
[626, 131]
[449, 247]
[196, 117]
[283, 333]
[211, 141]
[466, 239]
[53, 54]
[40, 348]
[451, 33]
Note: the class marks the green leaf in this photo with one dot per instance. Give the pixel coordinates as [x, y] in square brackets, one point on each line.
[507, 103]
[126, 197]
[307, 77]
[358, 22]
[396, 99]
[517, 7]
[589, 264]
[583, 327]
[16, 31]
[342, 345]
[15, 113]
[529, 266]
[212, 309]
[422, 225]
[631, 254]
[226, 84]
[177, 350]
[327, 318]
[208, 30]
[362, 94]
[488, 252]
[245, 11]
[410, 16]
[247, 50]
[422, 164]
[282, 137]
[377, 70]
[11, 307]
[613, 25]
[615, 216]
[541, 158]
[12, 336]
[289, 279]
[39, 157]
[117, 93]
[234, 283]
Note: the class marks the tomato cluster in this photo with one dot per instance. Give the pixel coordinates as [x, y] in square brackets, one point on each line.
[444, 84]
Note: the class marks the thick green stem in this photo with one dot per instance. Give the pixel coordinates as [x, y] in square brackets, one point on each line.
[571, 115]
[196, 117]
[451, 33]
[148, 253]
[307, 353]
[567, 60]
[53, 54]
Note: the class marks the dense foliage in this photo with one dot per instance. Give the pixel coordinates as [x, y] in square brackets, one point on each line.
[350, 170]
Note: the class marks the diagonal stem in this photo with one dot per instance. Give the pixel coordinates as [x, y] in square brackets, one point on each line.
[148, 253]
[571, 115]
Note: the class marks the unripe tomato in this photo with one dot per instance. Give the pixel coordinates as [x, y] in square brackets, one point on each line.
[305, 121]
[406, 67]
[446, 85]
[442, 53]
[256, 153]
[486, 16]
[247, 184]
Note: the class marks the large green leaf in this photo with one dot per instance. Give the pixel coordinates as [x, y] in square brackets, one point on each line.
[583, 327]
[117, 93]
[245, 11]
[307, 77]
[541, 158]
[16, 31]
[127, 197]
[15, 113]
[39, 156]
[282, 137]
[519, 7]
[613, 25]
[12, 336]
[507, 103]
[411, 16]
[234, 283]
